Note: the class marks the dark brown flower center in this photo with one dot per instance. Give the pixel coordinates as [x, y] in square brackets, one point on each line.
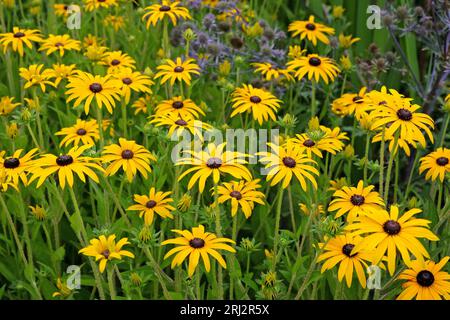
[314, 61]
[178, 104]
[442, 161]
[127, 154]
[357, 199]
[404, 114]
[64, 160]
[11, 163]
[19, 35]
[150, 204]
[127, 81]
[236, 194]
[96, 87]
[347, 250]
[181, 122]
[164, 8]
[255, 99]
[392, 227]
[214, 163]
[309, 143]
[425, 278]
[310, 26]
[289, 162]
[106, 253]
[197, 243]
[59, 44]
[115, 62]
[178, 69]
[358, 99]
[81, 132]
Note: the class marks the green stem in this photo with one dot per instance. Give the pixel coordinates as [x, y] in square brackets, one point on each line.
[313, 99]
[111, 284]
[366, 157]
[124, 119]
[100, 126]
[381, 185]
[219, 234]
[276, 237]
[392, 155]
[444, 129]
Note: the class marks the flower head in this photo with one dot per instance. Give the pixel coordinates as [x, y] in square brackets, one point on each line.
[60, 44]
[18, 38]
[315, 66]
[177, 70]
[83, 131]
[155, 202]
[311, 30]
[436, 163]
[171, 10]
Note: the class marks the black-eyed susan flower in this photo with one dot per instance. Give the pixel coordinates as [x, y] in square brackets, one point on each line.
[18, 38]
[311, 30]
[6, 182]
[60, 44]
[85, 87]
[142, 104]
[38, 212]
[65, 165]
[180, 107]
[317, 141]
[106, 249]
[358, 104]
[356, 201]
[347, 41]
[400, 117]
[34, 76]
[386, 233]
[133, 81]
[178, 125]
[184, 203]
[425, 280]
[315, 66]
[91, 5]
[129, 156]
[195, 244]
[213, 161]
[338, 184]
[84, 132]
[341, 250]
[295, 52]
[60, 72]
[156, 202]
[242, 194]
[177, 70]
[394, 144]
[116, 60]
[7, 105]
[436, 163]
[285, 162]
[17, 167]
[259, 102]
[171, 10]
[271, 72]
[61, 10]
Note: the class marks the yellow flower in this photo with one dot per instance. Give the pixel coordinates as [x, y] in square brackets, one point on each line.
[65, 166]
[387, 232]
[296, 52]
[254, 30]
[285, 162]
[18, 38]
[117, 22]
[317, 141]
[347, 41]
[61, 10]
[171, 10]
[270, 72]
[91, 5]
[85, 87]
[338, 184]
[261, 103]
[311, 30]
[7, 105]
[61, 72]
[345, 62]
[315, 66]
[358, 104]
[38, 212]
[129, 156]
[83, 131]
[142, 104]
[195, 244]
[178, 106]
[35, 77]
[425, 281]
[155, 202]
[133, 81]
[63, 289]
[341, 250]
[106, 249]
[184, 203]
[225, 68]
[116, 60]
[338, 11]
[177, 70]
[213, 162]
[314, 209]
[60, 43]
[6, 182]
[241, 194]
[95, 53]
[17, 167]
[179, 125]
[437, 163]
[356, 201]
[12, 130]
